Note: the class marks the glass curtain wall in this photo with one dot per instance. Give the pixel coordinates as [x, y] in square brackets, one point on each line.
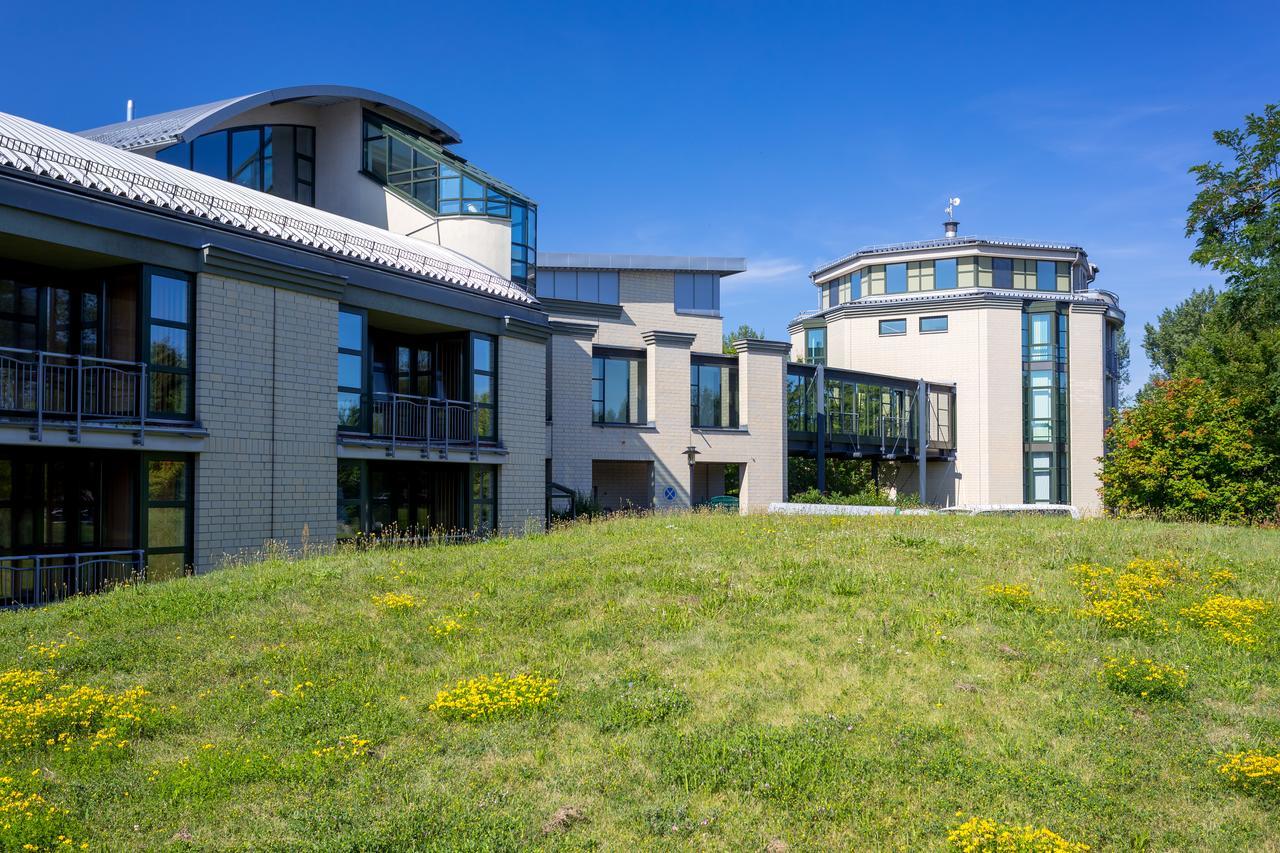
[1045, 340]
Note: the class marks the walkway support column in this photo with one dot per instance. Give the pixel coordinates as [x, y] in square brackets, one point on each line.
[820, 389]
[922, 435]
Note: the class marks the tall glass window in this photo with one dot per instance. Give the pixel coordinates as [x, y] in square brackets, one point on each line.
[351, 372]
[484, 381]
[1040, 336]
[698, 292]
[484, 499]
[350, 497]
[713, 394]
[169, 331]
[815, 346]
[945, 274]
[618, 388]
[895, 278]
[1046, 275]
[1040, 405]
[276, 158]
[167, 516]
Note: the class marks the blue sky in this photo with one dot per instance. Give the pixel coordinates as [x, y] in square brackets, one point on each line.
[787, 133]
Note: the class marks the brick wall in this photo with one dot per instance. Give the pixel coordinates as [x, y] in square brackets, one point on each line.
[522, 428]
[266, 392]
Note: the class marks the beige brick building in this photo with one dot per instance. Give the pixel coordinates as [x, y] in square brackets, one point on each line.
[645, 410]
[1016, 327]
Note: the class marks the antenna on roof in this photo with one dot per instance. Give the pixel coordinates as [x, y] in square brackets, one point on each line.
[951, 227]
[128, 110]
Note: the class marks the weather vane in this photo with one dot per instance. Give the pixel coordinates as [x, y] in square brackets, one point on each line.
[951, 203]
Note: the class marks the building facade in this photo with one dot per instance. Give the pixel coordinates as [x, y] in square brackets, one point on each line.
[300, 316]
[644, 409]
[1016, 327]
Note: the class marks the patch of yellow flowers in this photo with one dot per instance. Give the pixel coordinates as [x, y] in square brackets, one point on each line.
[1123, 600]
[395, 601]
[444, 627]
[347, 746]
[1252, 770]
[1233, 619]
[983, 835]
[29, 822]
[495, 695]
[1146, 678]
[52, 650]
[1009, 594]
[36, 710]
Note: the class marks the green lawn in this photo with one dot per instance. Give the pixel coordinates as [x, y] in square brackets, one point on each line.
[724, 683]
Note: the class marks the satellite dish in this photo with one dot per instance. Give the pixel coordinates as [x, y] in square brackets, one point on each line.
[955, 201]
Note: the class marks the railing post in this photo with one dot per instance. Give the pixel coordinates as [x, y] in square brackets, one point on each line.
[922, 436]
[39, 396]
[37, 591]
[395, 422]
[475, 430]
[143, 403]
[79, 403]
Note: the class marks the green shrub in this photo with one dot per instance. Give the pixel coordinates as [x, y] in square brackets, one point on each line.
[1184, 452]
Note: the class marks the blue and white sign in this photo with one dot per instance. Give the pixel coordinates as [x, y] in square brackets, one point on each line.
[669, 493]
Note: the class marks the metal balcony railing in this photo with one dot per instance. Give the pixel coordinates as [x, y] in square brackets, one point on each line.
[72, 389]
[428, 422]
[33, 580]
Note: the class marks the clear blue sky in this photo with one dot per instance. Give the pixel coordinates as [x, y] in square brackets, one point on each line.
[788, 133]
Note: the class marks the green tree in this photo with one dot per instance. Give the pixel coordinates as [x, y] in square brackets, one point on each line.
[1186, 452]
[1175, 330]
[742, 333]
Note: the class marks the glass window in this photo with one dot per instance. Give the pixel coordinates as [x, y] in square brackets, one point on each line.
[895, 278]
[484, 374]
[933, 324]
[484, 499]
[1040, 405]
[209, 155]
[815, 346]
[246, 157]
[351, 372]
[697, 292]
[350, 480]
[609, 287]
[713, 396]
[588, 285]
[945, 274]
[919, 276]
[618, 388]
[1040, 336]
[1046, 275]
[1041, 478]
[1002, 273]
[893, 327]
[168, 490]
[1024, 274]
[168, 356]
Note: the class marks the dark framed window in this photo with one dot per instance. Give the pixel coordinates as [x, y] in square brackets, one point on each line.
[713, 393]
[351, 498]
[893, 327]
[698, 292]
[443, 185]
[618, 389]
[166, 515]
[170, 341]
[352, 376]
[1002, 273]
[930, 325]
[484, 499]
[274, 158]
[484, 384]
[599, 286]
[815, 346]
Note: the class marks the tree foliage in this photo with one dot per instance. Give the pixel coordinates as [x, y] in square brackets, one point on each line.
[1186, 452]
[742, 333]
[1176, 330]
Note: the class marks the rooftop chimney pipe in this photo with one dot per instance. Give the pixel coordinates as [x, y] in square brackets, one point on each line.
[950, 228]
[128, 110]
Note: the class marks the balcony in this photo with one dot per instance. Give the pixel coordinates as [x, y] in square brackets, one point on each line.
[70, 390]
[425, 422]
[38, 579]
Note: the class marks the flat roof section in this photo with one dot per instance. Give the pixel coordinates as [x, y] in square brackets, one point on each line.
[605, 261]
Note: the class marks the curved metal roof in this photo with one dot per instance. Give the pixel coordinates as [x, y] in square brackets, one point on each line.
[76, 162]
[189, 122]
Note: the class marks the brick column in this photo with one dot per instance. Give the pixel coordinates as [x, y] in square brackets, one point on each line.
[668, 392]
[762, 410]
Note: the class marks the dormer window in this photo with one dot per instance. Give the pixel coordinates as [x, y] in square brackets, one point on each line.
[275, 158]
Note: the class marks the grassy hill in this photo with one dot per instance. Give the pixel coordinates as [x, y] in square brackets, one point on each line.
[720, 683]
